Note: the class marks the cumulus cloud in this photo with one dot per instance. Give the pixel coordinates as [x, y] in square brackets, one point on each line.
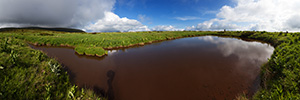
[89, 15]
[55, 13]
[293, 22]
[112, 22]
[269, 15]
[166, 28]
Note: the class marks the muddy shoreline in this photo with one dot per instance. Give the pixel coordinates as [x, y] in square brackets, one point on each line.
[143, 70]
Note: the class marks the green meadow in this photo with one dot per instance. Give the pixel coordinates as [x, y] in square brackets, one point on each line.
[26, 73]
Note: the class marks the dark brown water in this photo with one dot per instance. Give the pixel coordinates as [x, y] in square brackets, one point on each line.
[199, 68]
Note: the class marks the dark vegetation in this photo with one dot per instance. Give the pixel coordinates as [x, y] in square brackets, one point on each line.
[29, 74]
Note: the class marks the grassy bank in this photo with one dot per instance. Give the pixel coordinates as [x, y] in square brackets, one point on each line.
[281, 75]
[97, 43]
[28, 74]
[24, 69]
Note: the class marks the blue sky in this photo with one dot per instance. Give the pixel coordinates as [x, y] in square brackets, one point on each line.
[153, 15]
[167, 12]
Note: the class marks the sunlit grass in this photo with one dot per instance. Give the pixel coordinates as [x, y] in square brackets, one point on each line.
[29, 74]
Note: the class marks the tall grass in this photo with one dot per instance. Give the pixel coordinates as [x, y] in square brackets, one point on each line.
[94, 44]
[26, 73]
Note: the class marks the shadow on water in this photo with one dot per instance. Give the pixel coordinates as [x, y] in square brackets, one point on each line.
[254, 87]
[110, 92]
[206, 67]
[99, 91]
[70, 73]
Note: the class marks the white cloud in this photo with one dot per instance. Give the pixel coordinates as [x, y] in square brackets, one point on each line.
[89, 15]
[293, 22]
[269, 15]
[166, 28]
[211, 12]
[214, 25]
[143, 18]
[9, 25]
[187, 18]
[62, 13]
[112, 22]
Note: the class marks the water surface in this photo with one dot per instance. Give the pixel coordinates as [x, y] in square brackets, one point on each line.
[197, 68]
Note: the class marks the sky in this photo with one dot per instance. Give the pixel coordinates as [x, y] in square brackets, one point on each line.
[153, 15]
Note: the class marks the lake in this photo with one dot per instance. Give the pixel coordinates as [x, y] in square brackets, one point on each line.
[196, 68]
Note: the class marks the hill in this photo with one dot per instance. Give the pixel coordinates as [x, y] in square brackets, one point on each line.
[59, 29]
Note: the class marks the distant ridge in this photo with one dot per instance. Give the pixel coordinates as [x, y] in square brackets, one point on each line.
[41, 28]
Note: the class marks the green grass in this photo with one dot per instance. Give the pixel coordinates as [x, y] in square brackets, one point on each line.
[92, 51]
[91, 44]
[30, 74]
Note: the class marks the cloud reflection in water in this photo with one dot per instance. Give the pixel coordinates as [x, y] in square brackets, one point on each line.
[255, 52]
